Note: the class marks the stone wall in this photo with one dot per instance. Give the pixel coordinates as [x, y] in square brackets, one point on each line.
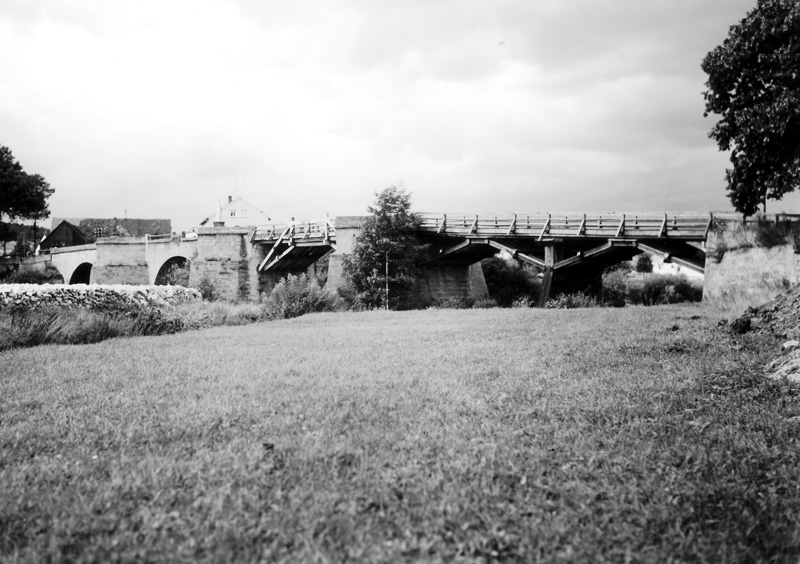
[227, 260]
[94, 296]
[451, 282]
[121, 260]
[347, 228]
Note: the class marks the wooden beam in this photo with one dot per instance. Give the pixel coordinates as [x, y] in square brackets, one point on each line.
[546, 228]
[710, 224]
[621, 228]
[513, 227]
[279, 257]
[669, 257]
[688, 264]
[272, 250]
[515, 253]
[474, 226]
[582, 227]
[443, 226]
[663, 230]
[580, 257]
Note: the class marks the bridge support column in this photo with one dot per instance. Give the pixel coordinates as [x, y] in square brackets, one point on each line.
[552, 254]
[439, 283]
[225, 260]
[347, 228]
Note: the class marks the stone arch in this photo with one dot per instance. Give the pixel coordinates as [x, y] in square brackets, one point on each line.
[176, 267]
[82, 274]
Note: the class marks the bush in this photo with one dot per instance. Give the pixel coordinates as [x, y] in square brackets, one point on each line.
[297, 295]
[208, 290]
[666, 289]
[571, 301]
[49, 275]
[615, 288]
[508, 281]
[176, 274]
[64, 325]
[454, 303]
[770, 234]
[484, 303]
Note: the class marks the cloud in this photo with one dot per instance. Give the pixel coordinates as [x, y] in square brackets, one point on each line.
[308, 107]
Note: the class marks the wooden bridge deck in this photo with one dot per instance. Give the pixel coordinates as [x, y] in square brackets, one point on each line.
[678, 237]
[540, 226]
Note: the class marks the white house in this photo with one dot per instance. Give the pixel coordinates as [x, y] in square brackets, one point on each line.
[237, 213]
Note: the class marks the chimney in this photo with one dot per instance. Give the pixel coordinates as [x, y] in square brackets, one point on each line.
[230, 199]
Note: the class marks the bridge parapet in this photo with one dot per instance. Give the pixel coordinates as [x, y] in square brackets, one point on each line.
[686, 226]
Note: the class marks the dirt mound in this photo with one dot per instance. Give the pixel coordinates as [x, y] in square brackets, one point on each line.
[780, 317]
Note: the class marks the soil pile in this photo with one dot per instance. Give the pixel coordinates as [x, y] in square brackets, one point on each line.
[781, 319]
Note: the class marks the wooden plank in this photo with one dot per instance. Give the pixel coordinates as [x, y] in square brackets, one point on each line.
[545, 229]
[279, 257]
[272, 250]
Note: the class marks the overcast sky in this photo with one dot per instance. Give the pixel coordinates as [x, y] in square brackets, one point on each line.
[159, 109]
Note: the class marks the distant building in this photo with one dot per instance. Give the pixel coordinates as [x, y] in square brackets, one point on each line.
[92, 228]
[237, 213]
[65, 234]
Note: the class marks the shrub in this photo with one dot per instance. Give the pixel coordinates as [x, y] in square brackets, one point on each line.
[454, 303]
[521, 303]
[666, 289]
[644, 263]
[571, 301]
[484, 303]
[176, 274]
[297, 295]
[208, 290]
[28, 328]
[770, 234]
[615, 288]
[49, 275]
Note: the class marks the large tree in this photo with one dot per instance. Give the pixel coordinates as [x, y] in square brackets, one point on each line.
[22, 195]
[754, 88]
[387, 238]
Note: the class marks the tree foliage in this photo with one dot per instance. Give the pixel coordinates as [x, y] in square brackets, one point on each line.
[754, 87]
[644, 263]
[22, 195]
[388, 234]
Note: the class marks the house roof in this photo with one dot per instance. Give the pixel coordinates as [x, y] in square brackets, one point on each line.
[236, 203]
[115, 226]
[54, 233]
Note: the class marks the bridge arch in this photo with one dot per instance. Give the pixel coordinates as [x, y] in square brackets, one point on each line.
[82, 274]
[174, 271]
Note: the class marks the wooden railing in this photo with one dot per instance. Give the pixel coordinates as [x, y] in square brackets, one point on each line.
[544, 225]
[310, 230]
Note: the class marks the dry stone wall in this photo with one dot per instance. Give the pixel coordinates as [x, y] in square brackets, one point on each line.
[93, 296]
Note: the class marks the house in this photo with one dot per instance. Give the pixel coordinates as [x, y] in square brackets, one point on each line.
[65, 234]
[92, 228]
[237, 213]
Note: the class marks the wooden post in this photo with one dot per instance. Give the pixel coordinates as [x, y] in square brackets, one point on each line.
[552, 254]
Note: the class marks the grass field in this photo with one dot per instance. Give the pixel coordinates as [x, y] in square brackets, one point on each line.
[523, 435]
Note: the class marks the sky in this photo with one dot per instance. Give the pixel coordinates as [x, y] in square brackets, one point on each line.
[162, 108]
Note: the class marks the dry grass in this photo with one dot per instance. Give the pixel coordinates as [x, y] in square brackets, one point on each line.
[464, 435]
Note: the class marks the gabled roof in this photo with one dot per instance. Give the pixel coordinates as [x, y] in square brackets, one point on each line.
[57, 233]
[237, 204]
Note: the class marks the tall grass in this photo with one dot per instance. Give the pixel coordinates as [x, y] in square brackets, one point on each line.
[513, 435]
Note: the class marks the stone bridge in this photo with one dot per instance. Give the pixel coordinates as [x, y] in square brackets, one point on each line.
[571, 249]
